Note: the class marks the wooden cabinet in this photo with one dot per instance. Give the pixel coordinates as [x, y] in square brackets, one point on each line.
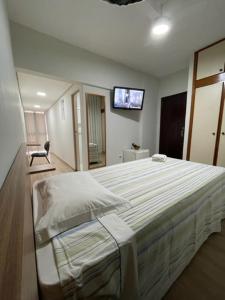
[205, 123]
[211, 60]
[221, 152]
[206, 142]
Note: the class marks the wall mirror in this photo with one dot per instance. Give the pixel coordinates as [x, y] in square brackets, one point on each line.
[96, 130]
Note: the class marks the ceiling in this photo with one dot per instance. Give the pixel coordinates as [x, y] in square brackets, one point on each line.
[124, 33]
[31, 84]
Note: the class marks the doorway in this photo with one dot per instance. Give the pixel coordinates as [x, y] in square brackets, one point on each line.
[96, 130]
[172, 125]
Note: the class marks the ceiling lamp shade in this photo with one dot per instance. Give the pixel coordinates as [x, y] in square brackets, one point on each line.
[161, 27]
[123, 2]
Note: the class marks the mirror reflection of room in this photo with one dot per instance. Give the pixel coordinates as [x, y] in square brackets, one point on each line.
[46, 101]
[96, 131]
[36, 128]
[37, 137]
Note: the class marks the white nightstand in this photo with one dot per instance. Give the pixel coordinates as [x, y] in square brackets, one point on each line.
[131, 154]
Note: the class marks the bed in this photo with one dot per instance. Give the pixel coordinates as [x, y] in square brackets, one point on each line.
[93, 153]
[176, 205]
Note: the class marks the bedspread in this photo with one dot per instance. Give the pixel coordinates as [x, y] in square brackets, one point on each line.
[176, 206]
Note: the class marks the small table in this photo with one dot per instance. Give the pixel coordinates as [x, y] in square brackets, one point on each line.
[131, 154]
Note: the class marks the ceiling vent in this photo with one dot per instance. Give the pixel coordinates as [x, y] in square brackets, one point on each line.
[122, 2]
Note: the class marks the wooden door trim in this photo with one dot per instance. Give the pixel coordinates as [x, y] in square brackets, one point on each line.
[74, 120]
[211, 45]
[87, 126]
[192, 105]
[210, 80]
[103, 97]
[220, 121]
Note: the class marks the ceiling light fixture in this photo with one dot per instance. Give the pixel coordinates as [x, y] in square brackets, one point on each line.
[37, 106]
[31, 112]
[161, 26]
[41, 94]
[122, 2]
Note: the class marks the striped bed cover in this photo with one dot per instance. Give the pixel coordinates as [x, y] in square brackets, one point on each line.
[176, 206]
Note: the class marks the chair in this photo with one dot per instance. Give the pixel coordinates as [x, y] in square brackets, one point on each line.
[41, 153]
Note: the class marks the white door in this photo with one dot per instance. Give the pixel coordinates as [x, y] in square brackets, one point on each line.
[211, 61]
[205, 123]
[221, 153]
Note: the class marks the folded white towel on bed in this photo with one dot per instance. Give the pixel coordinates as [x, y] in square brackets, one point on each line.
[159, 157]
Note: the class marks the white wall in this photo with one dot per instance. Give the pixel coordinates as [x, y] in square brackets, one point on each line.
[60, 128]
[11, 115]
[170, 85]
[122, 127]
[44, 54]
[173, 84]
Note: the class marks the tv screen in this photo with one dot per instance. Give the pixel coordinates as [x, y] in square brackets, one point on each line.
[127, 98]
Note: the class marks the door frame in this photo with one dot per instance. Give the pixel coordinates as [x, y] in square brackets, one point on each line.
[219, 127]
[74, 118]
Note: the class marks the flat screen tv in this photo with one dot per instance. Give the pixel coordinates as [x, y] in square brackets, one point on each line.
[128, 98]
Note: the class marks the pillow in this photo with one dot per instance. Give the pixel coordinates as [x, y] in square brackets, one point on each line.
[71, 199]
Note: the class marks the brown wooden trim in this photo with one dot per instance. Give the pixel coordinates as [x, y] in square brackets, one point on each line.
[219, 126]
[210, 80]
[18, 274]
[103, 97]
[95, 94]
[74, 118]
[211, 45]
[105, 132]
[87, 125]
[192, 105]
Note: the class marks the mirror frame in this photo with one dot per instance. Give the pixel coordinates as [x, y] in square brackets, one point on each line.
[88, 151]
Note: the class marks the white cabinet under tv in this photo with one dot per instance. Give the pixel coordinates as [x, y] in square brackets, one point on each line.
[131, 154]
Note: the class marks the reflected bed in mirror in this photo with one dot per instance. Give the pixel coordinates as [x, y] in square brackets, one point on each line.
[96, 131]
